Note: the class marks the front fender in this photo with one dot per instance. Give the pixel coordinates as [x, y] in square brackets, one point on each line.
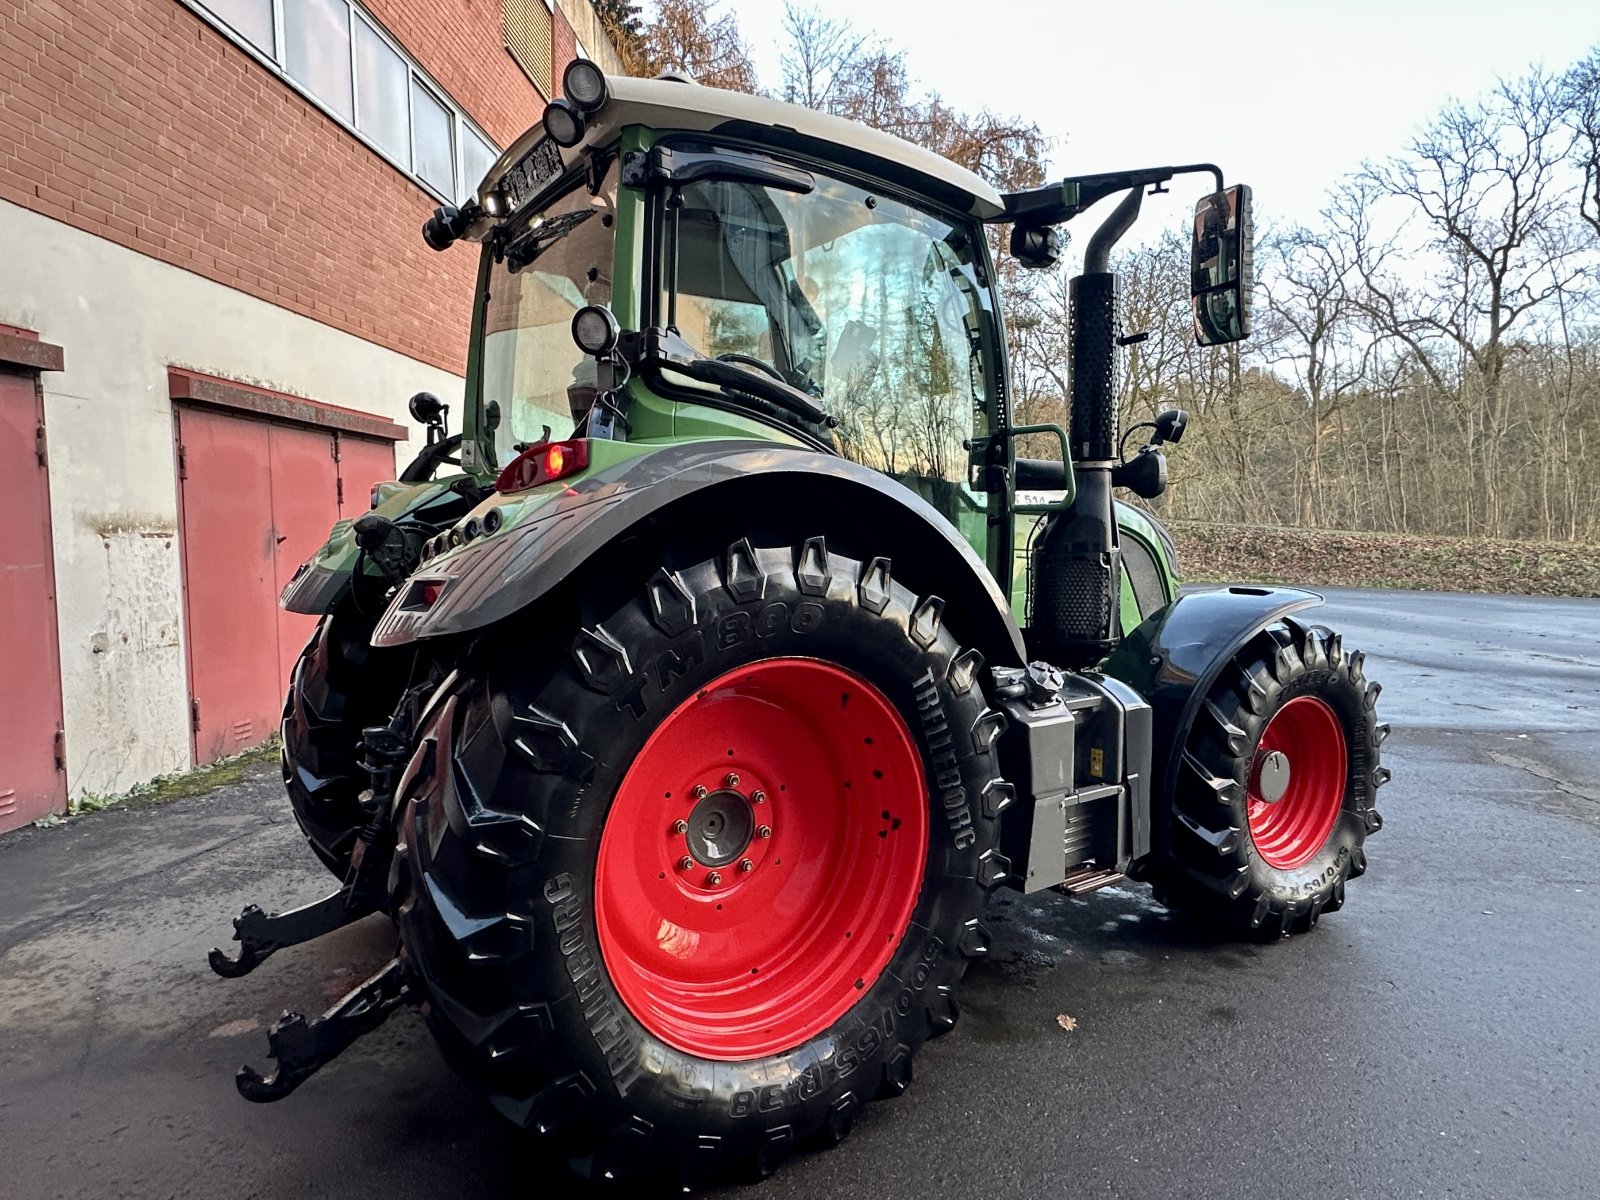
[318, 582]
[1174, 657]
[769, 483]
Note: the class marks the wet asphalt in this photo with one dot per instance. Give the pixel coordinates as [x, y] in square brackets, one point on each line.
[1439, 1037]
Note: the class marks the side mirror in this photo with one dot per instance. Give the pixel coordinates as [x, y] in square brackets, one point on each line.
[1220, 267]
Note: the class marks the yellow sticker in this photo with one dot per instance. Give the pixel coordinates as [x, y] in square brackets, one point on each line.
[1097, 762]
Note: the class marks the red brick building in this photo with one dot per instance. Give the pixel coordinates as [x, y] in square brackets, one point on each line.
[214, 303]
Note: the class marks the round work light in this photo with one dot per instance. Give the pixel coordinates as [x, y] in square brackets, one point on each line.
[584, 84]
[563, 122]
[595, 330]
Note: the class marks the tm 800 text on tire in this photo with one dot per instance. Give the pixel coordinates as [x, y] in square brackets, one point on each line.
[694, 880]
[1273, 800]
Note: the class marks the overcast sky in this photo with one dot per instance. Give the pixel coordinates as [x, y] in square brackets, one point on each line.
[1284, 95]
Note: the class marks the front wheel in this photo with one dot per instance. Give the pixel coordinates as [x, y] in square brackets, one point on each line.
[339, 686]
[693, 887]
[1273, 799]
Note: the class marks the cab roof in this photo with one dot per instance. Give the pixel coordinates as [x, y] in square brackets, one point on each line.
[670, 104]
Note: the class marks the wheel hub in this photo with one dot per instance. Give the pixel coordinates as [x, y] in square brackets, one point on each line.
[720, 828]
[1271, 776]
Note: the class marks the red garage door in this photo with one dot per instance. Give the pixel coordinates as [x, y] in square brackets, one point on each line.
[257, 499]
[32, 782]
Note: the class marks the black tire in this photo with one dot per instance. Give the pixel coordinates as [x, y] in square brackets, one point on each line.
[520, 759]
[340, 685]
[1212, 867]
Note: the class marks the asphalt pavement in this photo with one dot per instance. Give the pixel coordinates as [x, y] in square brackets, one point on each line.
[1438, 1037]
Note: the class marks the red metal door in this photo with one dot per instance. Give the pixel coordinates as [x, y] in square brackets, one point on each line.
[33, 781]
[257, 498]
[362, 463]
[305, 504]
[230, 580]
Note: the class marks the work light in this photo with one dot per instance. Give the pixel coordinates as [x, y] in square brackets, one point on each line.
[584, 84]
[595, 330]
[563, 122]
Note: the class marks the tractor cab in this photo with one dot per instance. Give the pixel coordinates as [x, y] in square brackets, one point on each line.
[662, 261]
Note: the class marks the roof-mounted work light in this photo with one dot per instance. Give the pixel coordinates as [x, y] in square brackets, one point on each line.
[564, 122]
[584, 84]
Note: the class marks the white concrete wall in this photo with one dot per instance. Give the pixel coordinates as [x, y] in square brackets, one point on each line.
[122, 319]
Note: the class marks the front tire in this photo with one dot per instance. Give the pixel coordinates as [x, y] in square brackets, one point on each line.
[613, 947]
[1274, 794]
[340, 685]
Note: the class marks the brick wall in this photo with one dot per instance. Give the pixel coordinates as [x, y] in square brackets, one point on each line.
[139, 122]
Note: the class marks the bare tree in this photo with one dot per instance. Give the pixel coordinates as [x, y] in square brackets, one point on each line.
[685, 36]
[1581, 95]
[1487, 180]
[822, 58]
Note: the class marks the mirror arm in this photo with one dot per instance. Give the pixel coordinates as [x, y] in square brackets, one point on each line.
[1058, 202]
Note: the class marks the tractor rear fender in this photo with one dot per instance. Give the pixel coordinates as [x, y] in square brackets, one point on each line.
[728, 488]
[1174, 657]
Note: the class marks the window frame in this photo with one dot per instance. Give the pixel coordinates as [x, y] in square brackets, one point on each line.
[461, 123]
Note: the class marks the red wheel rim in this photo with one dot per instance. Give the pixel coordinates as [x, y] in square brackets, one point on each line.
[755, 945]
[1288, 832]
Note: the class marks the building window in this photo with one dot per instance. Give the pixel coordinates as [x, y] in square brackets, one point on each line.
[432, 134]
[249, 19]
[335, 53]
[316, 51]
[529, 35]
[382, 94]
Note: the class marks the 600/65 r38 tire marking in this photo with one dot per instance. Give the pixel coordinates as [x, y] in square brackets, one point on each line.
[762, 858]
[558, 906]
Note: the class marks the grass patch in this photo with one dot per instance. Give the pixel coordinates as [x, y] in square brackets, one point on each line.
[175, 786]
[1331, 558]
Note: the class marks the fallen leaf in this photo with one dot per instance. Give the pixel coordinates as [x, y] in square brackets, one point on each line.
[1067, 1023]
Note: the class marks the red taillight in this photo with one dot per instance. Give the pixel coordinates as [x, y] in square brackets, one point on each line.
[543, 464]
[423, 594]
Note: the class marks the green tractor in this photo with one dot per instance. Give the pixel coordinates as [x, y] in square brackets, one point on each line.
[684, 748]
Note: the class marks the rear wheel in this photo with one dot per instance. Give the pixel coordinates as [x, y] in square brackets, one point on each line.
[1273, 799]
[692, 885]
[340, 685]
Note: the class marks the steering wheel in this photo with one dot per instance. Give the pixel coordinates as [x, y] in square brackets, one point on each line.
[431, 458]
[751, 360]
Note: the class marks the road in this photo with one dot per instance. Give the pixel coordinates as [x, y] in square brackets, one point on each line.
[1438, 1037]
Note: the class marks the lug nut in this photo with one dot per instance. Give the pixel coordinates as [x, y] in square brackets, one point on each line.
[680, 827]
[764, 831]
[746, 865]
[714, 878]
[699, 791]
[686, 863]
[758, 797]
[733, 779]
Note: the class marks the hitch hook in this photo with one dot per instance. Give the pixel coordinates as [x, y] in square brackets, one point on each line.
[303, 1047]
[260, 935]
